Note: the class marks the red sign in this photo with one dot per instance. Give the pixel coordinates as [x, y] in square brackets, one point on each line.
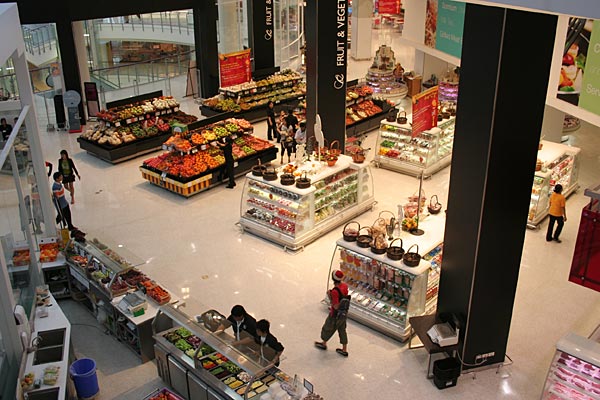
[585, 269]
[234, 68]
[425, 110]
[389, 7]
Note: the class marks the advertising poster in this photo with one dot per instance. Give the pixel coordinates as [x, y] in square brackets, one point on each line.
[590, 87]
[389, 7]
[444, 22]
[431, 23]
[425, 110]
[234, 68]
[575, 60]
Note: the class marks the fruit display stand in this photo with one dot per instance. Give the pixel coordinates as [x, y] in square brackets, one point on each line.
[294, 217]
[575, 370]
[201, 364]
[194, 163]
[132, 127]
[425, 153]
[363, 112]
[386, 293]
[249, 100]
[559, 164]
[90, 264]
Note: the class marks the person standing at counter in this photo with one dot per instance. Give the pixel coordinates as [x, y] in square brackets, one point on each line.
[272, 131]
[338, 312]
[227, 146]
[264, 338]
[5, 128]
[58, 192]
[241, 321]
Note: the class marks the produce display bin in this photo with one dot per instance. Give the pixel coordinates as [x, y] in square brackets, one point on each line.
[163, 394]
[124, 152]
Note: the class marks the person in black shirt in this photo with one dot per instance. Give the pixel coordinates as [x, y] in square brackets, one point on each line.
[5, 128]
[291, 121]
[241, 321]
[272, 130]
[227, 146]
[265, 339]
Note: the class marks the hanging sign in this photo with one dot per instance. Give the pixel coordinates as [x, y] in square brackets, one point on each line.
[389, 7]
[425, 110]
[234, 68]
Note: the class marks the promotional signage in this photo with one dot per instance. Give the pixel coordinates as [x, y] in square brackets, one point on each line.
[234, 68]
[590, 88]
[444, 23]
[261, 30]
[91, 97]
[585, 268]
[341, 23]
[389, 7]
[425, 110]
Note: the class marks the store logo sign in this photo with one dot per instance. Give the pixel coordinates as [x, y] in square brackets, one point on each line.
[341, 44]
[268, 19]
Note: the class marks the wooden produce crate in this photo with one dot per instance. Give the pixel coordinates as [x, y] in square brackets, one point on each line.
[184, 189]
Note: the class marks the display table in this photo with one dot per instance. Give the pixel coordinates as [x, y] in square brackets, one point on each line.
[293, 217]
[560, 165]
[117, 154]
[420, 325]
[425, 153]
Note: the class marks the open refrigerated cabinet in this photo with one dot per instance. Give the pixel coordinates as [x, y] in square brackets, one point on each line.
[575, 370]
[560, 165]
[425, 153]
[294, 217]
[200, 363]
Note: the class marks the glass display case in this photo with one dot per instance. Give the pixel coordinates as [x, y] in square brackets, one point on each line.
[293, 217]
[575, 370]
[559, 165]
[426, 152]
[385, 293]
[200, 362]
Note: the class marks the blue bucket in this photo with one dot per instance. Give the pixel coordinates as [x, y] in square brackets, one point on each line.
[83, 373]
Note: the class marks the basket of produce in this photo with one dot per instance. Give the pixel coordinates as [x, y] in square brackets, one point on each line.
[434, 207]
[395, 252]
[409, 224]
[334, 148]
[158, 294]
[259, 169]
[379, 244]
[303, 182]
[350, 234]
[269, 174]
[364, 240]
[358, 156]
[411, 258]
[162, 394]
[402, 118]
[411, 209]
[287, 179]
[415, 197]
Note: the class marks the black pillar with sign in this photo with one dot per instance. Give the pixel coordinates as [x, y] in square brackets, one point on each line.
[261, 32]
[70, 68]
[207, 53]
[493, 163]
[326, 61]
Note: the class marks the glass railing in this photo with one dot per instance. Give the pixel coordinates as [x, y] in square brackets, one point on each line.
[181, 22]
[39, 82]
[39, 38]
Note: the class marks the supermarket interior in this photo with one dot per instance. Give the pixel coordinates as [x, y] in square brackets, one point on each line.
[144, 194]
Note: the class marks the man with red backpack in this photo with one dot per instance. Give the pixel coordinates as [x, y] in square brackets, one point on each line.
[338, 314]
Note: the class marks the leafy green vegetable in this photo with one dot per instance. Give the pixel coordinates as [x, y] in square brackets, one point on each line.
[580, 61]
[567, 89]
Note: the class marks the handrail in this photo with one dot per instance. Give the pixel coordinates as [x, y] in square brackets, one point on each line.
[154, 60]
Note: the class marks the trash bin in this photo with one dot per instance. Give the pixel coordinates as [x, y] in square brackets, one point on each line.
[83, 373]
[446, 372]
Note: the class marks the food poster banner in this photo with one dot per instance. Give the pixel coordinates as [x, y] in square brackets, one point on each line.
[590, 89]
[444, 22]
[574, 59]
[234, 68]
[389, 7]
[425, 110]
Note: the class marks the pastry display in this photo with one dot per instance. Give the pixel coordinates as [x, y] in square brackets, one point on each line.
[380, 76]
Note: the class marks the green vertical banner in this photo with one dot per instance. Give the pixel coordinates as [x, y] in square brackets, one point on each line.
[590, 89]
[449, 32]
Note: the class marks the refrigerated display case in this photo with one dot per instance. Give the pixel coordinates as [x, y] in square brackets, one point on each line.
[560, 164]
[201, 363]
[294, 217]
[425, 153]
[575, 370]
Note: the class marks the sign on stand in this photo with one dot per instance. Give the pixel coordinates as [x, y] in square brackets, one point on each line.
[234, 68]
[425, 110]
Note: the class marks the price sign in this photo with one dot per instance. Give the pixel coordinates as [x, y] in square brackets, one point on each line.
[163, 176]
[194, 151]
[203, 147]
[128, 120]
[176, 109]
[234, 136]
[165, 147]
[117, 124]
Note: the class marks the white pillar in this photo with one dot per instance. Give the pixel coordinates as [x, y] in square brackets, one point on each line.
[552, 125]
[360, 30]
[80, 49]
[229, 27]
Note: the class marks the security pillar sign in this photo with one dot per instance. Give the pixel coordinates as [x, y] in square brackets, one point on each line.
[72, 100]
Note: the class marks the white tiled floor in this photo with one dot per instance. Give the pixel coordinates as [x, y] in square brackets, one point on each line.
[193, 247]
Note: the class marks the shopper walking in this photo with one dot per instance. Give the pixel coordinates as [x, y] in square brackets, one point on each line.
[67, 168]
[58, 192]
[338, 313]
[291, 121]
[557, 213]
[227, 146]
[241, 321]
[272, 131]
[5, 128]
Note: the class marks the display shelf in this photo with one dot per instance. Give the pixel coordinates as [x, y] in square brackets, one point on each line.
[560, 165]
[117, 154]
[336, 195]
[425, 153]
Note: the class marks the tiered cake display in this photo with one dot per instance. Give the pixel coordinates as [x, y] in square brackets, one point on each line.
[381, 75]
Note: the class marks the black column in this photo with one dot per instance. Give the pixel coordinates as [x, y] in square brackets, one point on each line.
[505, 67]
[261, 33]
[326, 60]
[207, 53]
[68, 55]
